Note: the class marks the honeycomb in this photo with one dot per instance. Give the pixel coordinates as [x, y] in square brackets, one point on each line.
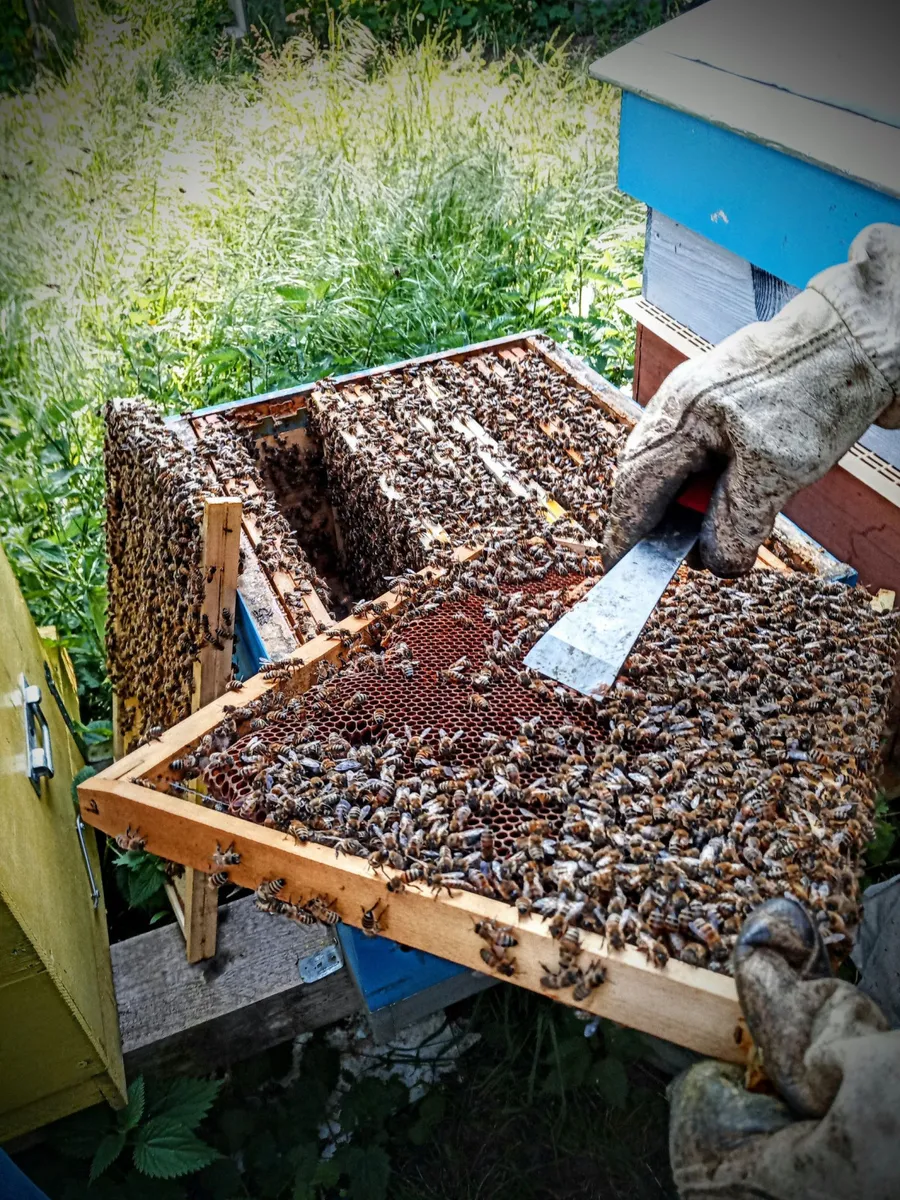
[424, 702]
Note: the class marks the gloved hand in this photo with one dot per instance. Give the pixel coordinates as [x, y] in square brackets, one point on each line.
[835, 1132]
[781, 400]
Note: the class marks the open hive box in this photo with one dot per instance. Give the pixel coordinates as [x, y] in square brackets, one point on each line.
[399, 770]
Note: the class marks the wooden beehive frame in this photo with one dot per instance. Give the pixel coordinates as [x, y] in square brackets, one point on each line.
[691, 1006]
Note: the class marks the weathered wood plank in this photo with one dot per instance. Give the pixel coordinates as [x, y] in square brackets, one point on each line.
[193, 901]
[700, 284]
[221, 553]
[174, 1015]
[693, 1007]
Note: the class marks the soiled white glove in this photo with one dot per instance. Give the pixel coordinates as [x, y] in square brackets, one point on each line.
[780, 400]
[835, 1132]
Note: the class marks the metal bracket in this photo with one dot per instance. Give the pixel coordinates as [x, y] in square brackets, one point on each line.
[321, 964]
[38, 758]
[95, 891]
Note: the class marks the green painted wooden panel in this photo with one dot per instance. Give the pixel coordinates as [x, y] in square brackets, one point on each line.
[56, 986]
[48, 1065]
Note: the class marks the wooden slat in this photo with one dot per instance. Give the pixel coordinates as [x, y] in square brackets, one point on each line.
[274, 403]
[692, 1007]
[193, 901]
[175, 1017]
[221, 552]
[282, 581]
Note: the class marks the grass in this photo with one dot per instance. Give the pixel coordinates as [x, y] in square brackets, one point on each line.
[197, 235]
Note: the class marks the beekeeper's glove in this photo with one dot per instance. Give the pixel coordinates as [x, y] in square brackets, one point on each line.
[835, 1132]
[781, 400]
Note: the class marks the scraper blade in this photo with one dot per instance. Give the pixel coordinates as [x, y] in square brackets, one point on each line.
[587, 647]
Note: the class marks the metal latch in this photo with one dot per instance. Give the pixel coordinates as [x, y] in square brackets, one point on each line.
[39, 757]
[95, 891]
[321, 964]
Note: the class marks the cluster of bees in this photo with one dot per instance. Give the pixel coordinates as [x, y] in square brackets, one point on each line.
[277, 547]
[731, 762]
[154, 630]
[317, 910]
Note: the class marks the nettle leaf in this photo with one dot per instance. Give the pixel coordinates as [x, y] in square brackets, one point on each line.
[188, 1100]
[371, 1101]
[306, 1157]
[142, 877]
[107, 1152]
[131, 1114]
[881, 844]
[165, 1149]
[368, 1169]
[430, 1114]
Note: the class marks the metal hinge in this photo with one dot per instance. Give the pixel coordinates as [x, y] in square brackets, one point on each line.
[38, 757]
[321, 964]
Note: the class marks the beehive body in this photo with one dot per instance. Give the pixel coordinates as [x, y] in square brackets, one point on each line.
[733, 760]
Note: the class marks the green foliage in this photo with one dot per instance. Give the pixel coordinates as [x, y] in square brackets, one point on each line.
[501, 22]
[16, 47]
[537, 1110]
[165, 1148]
[140, 878]
[152, 1138]
[881, 856]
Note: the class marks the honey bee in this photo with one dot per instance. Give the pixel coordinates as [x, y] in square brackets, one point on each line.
[614, 930]
[592, 978]
[405, 879]
[217, 879]
[131, 839]
[569, 945]
[323, 910]
[372, 919]
[565, 977]
[476, 701]
[268, 896]
[705, 933]
[496, 962]
[226, 858]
